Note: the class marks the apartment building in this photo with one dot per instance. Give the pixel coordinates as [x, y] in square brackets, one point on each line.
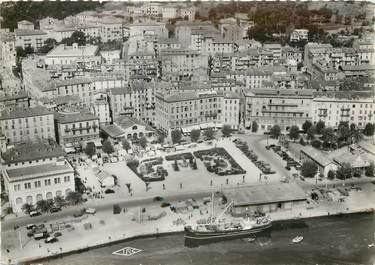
[284, 107]
[185, 62]
[32, 38]
[141, 29]
[185, 29]
[101, 108]
[336, 107]
[7, 49]
[169, 12]
[25, 25]
[27, 124]
[299, 35]
[84, 56]
[12, 101]
[187, 110]
[135, 100]
[196, 109]
[36, 171]
[76, 126]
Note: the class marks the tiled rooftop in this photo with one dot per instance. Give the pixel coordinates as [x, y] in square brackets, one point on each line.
[24, 152]
[38, 171]
[25, 112]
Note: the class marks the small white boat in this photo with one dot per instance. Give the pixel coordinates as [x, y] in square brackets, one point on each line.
[297, 239]
[371, 245]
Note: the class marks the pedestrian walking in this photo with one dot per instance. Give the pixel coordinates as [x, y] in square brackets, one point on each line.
[181, 185]
[163, 186]
[227, 180]
[243, 178]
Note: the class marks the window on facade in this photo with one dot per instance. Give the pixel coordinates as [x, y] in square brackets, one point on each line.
[37, 184]
[47, 182]
[27, 185]
[57, 180]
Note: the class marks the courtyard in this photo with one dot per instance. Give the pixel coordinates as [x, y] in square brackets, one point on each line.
[233, 169]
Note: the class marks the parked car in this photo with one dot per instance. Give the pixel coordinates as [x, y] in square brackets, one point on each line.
[57, 234]
[50, 239]
[79, 214]
[39, 236]
[287, 168]
[165, 204]
[90, 210]
[34, 213]
[55, 209]
[268, 147]
[30, 226]
[302, 178]
[108, 191]
[158, 199]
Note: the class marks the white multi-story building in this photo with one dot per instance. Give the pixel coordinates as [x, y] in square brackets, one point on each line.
[34, 172]
[101, 108]
[284, 107]
[336, 107]
[27, 124]
[73, 55]
[188, 110]
[32, 38]
[299, 35]
[24, 24]
[7, 49]
[169, 12]
[184, 62]
[76, 127]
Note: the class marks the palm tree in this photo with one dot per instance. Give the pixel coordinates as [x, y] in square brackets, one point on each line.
[59, 201]
[27, 208]
[74, 198]
[44, 205]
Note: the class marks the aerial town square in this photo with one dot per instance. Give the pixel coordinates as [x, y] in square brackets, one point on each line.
[190, 132]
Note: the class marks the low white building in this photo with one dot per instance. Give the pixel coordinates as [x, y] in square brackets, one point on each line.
[299, 35]
[73, 55]
[34, 172]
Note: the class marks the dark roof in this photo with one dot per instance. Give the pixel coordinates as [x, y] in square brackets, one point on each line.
[28, 32]
[112, 130]
[69, 117]
[38, 171]
[32, 151]
[25, 112]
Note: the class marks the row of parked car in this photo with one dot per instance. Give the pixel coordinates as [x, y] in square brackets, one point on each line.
[262, 165]
[39, 232]
[290, 162]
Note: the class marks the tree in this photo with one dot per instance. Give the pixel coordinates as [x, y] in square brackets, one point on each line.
[275, 131]
[309, 169]
[344, 171]
[331, 175]
[29, 50]
[74, 198]
[311, 132]
[226, 130]
[343, 131]
[306, 126]
[27, 208]
[294, 132]
[125, 145]
[44, 205]
[316, 143]
[176, 136]
[143, 142]
[370, 170]
[107, 147]
[59, 201]
[369, 129]
[49, 44]
[161, 138]
[329, 136]
[209, 134]
[78, 37]
[356, 136]
[90, 149]
[320, 126]
[194, 135]
[254, 127]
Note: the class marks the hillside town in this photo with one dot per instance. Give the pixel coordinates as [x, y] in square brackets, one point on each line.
[139, 113]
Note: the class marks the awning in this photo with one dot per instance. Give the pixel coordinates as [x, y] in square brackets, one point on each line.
[97, 143]
[69, 150]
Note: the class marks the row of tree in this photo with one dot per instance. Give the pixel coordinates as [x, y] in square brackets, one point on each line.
[72, 198]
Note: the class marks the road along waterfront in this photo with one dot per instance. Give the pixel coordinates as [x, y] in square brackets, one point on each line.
[327, 240]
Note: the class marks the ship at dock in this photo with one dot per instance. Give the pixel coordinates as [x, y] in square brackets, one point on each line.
[223, 229]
